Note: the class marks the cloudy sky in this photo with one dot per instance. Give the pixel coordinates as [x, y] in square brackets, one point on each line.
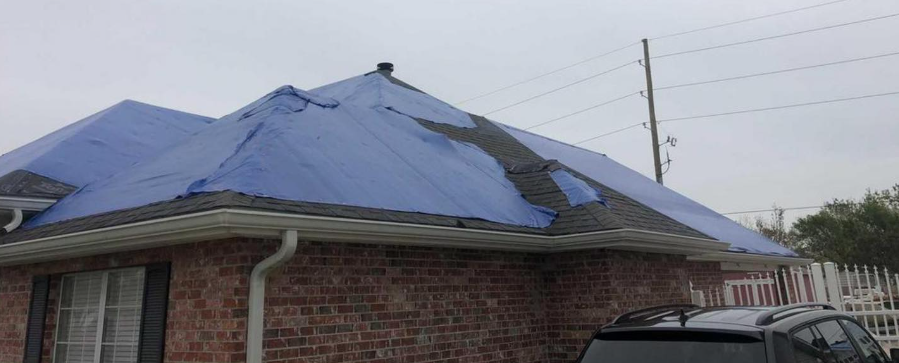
[63, 60]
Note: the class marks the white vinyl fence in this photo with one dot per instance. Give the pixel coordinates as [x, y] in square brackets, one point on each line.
[867, 293]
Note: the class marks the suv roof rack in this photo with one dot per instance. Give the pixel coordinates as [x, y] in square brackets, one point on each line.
[633, 315]
[768, 317]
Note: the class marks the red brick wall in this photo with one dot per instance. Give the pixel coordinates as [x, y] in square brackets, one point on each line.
[587, 289]
[15, 289]
[356, 303]
[207, 307]
[366, 303]
[706, 277]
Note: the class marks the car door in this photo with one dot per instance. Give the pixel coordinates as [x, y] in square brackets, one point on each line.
[868, 348]
[838, 343]
[809, 347]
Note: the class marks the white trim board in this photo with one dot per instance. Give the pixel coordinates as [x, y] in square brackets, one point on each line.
[226, 223]
[734, 261]
[27, 204]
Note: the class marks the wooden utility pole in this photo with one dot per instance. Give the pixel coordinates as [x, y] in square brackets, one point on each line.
[652, 114]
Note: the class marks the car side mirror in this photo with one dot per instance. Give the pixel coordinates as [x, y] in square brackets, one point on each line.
[894, 355]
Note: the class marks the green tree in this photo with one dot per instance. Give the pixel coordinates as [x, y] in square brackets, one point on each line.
[775, 229]
[849, 231]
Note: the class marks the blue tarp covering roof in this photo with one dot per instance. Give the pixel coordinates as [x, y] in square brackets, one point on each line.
[300, 146]
[576, 190]
[354, 142]
[634, 185]
[103, 143]
[368, 91]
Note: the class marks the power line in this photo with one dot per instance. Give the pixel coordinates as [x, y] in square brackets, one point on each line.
[609, 133]
[616, 50]
[582, 80]
[772, 210]
[737, 112]
[780, 107]
[582, 110]
[557, 70]
[746, 20]
[777, 36]
[776, 72]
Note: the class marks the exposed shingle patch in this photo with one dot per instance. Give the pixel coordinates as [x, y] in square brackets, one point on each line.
[539, 188]
[22, 183]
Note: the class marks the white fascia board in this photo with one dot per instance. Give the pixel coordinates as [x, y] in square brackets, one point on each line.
[637, 240]
[226, 223]
[25, 204]
[734, 261]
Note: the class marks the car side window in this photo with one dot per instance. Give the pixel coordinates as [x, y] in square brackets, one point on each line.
[838, 342]
[809, 348]
[867, 346]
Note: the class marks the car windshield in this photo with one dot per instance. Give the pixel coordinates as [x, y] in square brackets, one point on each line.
[674, 347]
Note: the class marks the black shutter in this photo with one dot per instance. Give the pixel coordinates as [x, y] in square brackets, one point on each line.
[152, 325]
[37, 314]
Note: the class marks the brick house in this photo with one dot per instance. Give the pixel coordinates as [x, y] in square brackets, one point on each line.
[362, 221]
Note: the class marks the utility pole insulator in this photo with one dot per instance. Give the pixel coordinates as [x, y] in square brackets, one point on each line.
[652, 114]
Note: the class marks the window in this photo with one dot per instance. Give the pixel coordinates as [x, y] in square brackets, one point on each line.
[839, 343]
[674, 347]
[99, 317]
[867, 346]
[808, 347]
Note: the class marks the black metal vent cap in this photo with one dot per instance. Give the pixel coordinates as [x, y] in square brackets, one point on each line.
[385, 66]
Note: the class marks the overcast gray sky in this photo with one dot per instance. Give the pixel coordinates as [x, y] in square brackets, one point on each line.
[63, 60]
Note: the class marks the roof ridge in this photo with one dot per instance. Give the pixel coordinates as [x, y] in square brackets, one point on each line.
[102, 136]
[150, 105]
[547, 138]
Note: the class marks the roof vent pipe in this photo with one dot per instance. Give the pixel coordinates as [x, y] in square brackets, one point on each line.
[386, 67]
[15, 223]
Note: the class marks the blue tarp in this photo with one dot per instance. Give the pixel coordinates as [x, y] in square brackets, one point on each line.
[374, 90]
[577, 190]
[295, 145]
[640, 188]
[351, 143]
[104, 143]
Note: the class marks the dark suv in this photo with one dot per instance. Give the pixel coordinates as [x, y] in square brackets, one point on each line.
[800, 333]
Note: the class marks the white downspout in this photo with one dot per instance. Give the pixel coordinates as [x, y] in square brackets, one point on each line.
[15, 223]
[257, 293]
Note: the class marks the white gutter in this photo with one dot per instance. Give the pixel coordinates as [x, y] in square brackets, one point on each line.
[15, 223]
[226, 223]
[28, 204]
[255, 316]
[734, 261]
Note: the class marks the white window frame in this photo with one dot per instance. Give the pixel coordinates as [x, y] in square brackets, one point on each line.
[101, 317]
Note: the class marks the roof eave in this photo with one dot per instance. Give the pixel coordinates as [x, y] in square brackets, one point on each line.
[32, 204]
[227, 223]
[736, 261]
